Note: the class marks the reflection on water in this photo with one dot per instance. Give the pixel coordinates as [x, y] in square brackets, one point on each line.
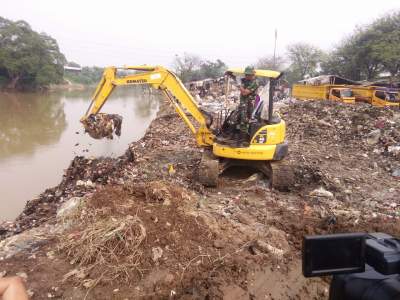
[28, 122]
[41, 133]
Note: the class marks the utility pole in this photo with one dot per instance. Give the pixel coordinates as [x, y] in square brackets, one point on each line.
[272, 87]
[276, 36]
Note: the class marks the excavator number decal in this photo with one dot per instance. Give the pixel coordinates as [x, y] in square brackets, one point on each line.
[136, 81]
[250, 152]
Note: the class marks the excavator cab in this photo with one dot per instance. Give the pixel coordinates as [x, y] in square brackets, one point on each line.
[266, 130]
[267, 145]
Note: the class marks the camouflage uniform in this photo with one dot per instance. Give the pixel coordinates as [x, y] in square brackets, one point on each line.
[246, 104]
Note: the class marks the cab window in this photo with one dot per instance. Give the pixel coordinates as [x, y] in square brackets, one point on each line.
[346, 93]
[380, 95]
[336, 93]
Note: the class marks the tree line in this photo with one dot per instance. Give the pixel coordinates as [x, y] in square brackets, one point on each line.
[191, 67]
[28, 59]
[87, 75]
[188, 67]
[369, 51]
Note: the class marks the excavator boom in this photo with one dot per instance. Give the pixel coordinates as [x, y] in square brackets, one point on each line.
[158, 78]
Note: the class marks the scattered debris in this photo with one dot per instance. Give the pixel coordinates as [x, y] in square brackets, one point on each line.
[23, 275]
[25, 241]
[267, 248]
[373, 137]
[253, 179]
[157, 253]
[321, 192]
[69, 207]
[394, 150]
[50, 254]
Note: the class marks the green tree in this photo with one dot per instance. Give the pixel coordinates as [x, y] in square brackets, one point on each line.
[187, 66]
[304, 60]
[356, 57]
[386, 45]
[269, 63]
[366, 54]
[210, 69]
[190, 67]
[369, 51]
[28, 58]
[343, 60]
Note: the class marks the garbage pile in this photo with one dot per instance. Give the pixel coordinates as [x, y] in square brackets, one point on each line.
[214, 93]
[103, 125]
[208, 87]
[347, 152]
[97, 170]
[360, 128]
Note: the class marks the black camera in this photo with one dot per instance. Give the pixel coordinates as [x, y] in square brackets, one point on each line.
[364, 266]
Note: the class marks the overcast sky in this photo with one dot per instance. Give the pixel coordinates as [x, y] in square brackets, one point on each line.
[153, 31]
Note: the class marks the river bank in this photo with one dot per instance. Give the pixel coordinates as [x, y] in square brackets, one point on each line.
[132, 226]
[67, 85]
[41, 133]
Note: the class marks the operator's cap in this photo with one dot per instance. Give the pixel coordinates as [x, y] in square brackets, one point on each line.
[249, 70]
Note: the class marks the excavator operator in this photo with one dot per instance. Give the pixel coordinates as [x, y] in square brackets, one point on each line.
[248, 89]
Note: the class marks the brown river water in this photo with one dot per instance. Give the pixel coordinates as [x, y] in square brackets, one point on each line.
[40, 134]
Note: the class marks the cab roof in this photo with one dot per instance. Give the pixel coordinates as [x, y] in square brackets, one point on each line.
[259, 72]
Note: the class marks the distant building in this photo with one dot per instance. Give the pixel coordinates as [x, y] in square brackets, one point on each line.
[72, 69]
[327, 79]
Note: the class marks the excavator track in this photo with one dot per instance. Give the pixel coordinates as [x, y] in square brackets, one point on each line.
[208, 170]
[282, 175]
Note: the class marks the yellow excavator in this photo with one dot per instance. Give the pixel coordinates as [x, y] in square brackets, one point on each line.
[267, 146]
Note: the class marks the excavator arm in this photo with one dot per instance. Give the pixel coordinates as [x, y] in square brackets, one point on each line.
[158, 78]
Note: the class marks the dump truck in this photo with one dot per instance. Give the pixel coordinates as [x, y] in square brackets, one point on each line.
[377, 96]
[340, 93]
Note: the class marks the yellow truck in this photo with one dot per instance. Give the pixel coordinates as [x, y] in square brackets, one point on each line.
[377, 96]
[340, 93]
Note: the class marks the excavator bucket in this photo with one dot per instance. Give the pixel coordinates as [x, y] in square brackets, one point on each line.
[103, 125]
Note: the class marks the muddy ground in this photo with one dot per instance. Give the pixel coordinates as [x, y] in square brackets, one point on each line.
[141, 227]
